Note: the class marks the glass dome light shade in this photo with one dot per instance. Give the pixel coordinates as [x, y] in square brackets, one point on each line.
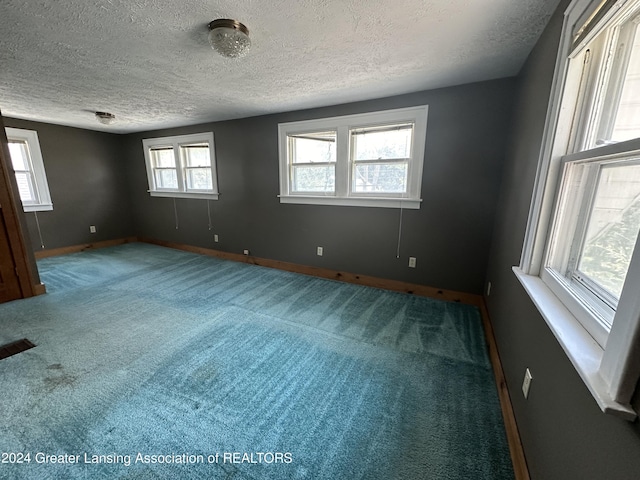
[229, 38]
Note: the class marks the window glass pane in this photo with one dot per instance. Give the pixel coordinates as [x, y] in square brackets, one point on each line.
[382, 143]
[627, 122]
[313, 178]
[381, 178]
[166, 178]
[613, 227]
[163, 158]
[313, 147]
[196, 155]
[199, 178]
[19, 155]
[25, 187]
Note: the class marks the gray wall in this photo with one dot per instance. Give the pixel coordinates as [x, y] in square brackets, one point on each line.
[88, 185]
[565, 436]
[450, 235]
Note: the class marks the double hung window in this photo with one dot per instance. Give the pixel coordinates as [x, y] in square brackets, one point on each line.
[373, 159]
[181, 166]
[313, 162]
[585, 217]
[26, 158]
[381, 157]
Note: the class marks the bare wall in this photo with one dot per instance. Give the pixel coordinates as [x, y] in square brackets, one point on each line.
[450, 234]
[564, 433]
[86, 177]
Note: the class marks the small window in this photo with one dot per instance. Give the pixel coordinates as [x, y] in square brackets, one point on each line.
[312, 160]
[197, 167]
[373, 159]
[181, 166]
[26, 158]
[164, 168]
[380, 159]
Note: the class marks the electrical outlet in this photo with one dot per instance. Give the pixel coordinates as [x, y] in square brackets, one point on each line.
[488, 289]
[320, 251]
[246, 252]
[215, 238]
[92, 229]
[412, 262]
[526, 384]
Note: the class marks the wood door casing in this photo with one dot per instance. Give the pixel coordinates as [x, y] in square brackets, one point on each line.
[17, 263]
[9, 282]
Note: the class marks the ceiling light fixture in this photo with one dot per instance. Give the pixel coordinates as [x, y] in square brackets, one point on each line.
[229, 38]
[105, 118]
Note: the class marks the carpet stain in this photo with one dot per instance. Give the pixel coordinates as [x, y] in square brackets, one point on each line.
[55, 366]
[65, 380]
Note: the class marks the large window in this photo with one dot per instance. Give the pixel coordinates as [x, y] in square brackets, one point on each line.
[585, 217]
[181, 166]
[26, 158]
[372, 159]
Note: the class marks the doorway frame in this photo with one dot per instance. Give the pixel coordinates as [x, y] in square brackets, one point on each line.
[15, 223]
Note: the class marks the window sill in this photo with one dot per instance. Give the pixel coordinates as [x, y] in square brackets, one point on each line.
[43, 207]
[583, 351]
[204, 196]
[407, 203]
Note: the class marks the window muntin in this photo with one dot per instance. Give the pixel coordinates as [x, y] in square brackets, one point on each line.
[26, 159]
[181, 166]
[372, 159]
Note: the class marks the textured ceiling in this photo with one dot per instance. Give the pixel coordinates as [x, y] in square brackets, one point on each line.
[149, 61]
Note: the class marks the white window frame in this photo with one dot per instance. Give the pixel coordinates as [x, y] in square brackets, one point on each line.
[176, 142]
[36, 165]
[343, 194]
[607, 364]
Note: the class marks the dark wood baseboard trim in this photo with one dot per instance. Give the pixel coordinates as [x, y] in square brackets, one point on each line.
[513, 437]
[369, 281]
[85, 246]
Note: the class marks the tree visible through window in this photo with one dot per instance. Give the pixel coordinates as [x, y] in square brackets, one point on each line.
[613, 228]
[313, 162]
[181, 166]
[372, 159]
[381, 158]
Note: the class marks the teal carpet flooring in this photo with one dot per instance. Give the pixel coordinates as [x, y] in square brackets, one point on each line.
[156, 363]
